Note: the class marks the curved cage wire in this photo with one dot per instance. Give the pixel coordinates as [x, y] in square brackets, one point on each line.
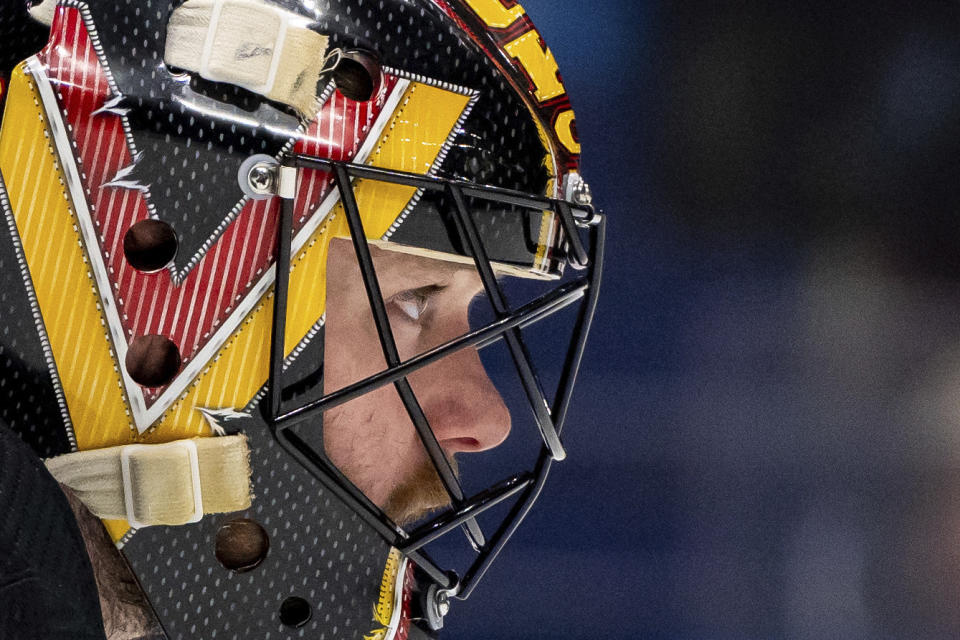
[525, 486]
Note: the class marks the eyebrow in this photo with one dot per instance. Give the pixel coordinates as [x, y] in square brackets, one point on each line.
[426, 291]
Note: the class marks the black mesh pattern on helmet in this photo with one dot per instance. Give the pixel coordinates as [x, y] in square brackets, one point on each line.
[319, 551]
[189, 163]
[20, 36]
[510, 235]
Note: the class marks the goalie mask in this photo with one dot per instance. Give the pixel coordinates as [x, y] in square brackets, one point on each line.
[271, 270]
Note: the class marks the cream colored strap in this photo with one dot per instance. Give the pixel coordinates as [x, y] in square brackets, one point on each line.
[251, 44]
[43, 12]
[150, 484]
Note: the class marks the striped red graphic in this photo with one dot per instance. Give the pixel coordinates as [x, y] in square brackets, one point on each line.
[188, 313]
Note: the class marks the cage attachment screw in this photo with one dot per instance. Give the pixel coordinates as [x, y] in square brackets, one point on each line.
[258, 176]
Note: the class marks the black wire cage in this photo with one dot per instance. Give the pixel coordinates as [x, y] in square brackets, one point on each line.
[584, 231]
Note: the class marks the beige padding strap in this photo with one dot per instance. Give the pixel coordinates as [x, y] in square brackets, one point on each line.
[150, 484]
[251, 44]
[43, 12]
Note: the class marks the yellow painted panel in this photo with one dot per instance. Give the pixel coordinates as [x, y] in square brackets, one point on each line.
[116, 528]
[65, 289]
[564, 130]
[411, 142]
[494, 14]
[58, 264]
[539, 63]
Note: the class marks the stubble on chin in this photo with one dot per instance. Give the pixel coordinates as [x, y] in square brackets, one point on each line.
[418, 494]
[421, 493]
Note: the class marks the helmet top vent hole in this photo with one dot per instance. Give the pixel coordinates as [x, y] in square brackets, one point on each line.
[295, 612]
[241, 545]
[357, 75]
[153, 361]
[150, 245]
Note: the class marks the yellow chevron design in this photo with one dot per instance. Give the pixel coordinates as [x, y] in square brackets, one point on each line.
[412, 142]
[65, 288]
[68, 297]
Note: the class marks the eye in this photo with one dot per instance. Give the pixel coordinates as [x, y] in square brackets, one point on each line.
[413, 303]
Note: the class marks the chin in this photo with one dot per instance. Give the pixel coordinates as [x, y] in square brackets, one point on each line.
[420, 494]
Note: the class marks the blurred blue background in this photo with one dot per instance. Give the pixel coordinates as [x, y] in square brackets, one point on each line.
[766, 443]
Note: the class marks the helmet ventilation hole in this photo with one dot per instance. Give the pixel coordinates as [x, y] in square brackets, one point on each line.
[295, 612]
[357, 75]
[241, 545]
[153, 361]
[150, 245]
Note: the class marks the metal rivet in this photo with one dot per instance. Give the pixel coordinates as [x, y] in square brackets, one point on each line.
[582, 194]
[261, 178]
[257, 176]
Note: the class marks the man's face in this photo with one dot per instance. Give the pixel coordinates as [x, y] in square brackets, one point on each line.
[372, 439]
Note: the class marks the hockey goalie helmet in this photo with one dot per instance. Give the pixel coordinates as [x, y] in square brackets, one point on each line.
[297, 226]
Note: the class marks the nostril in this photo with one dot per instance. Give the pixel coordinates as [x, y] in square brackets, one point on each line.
[461, 444]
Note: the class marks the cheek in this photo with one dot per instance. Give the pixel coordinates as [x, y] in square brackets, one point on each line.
[408, 338]
[352, 348]
[373, 443]
[444, 328]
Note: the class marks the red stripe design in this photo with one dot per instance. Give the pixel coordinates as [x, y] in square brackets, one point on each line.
[190, 313]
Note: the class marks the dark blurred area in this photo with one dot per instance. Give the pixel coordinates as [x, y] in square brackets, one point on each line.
[813, 120]
[809, 160]
[767, 443]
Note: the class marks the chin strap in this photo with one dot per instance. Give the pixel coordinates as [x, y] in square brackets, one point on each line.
[251, 44]
[150, 484]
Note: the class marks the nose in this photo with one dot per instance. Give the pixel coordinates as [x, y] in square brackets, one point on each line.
[461, 403]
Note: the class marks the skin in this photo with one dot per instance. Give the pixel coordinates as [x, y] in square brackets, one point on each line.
[372, 439]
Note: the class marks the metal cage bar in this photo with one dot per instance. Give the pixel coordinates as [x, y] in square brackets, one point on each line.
[523, 505]
[507, 326]
[430, 183]
[391, 354]
[281, 289]
[473, 507]
[546, 304]
[518, 350]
